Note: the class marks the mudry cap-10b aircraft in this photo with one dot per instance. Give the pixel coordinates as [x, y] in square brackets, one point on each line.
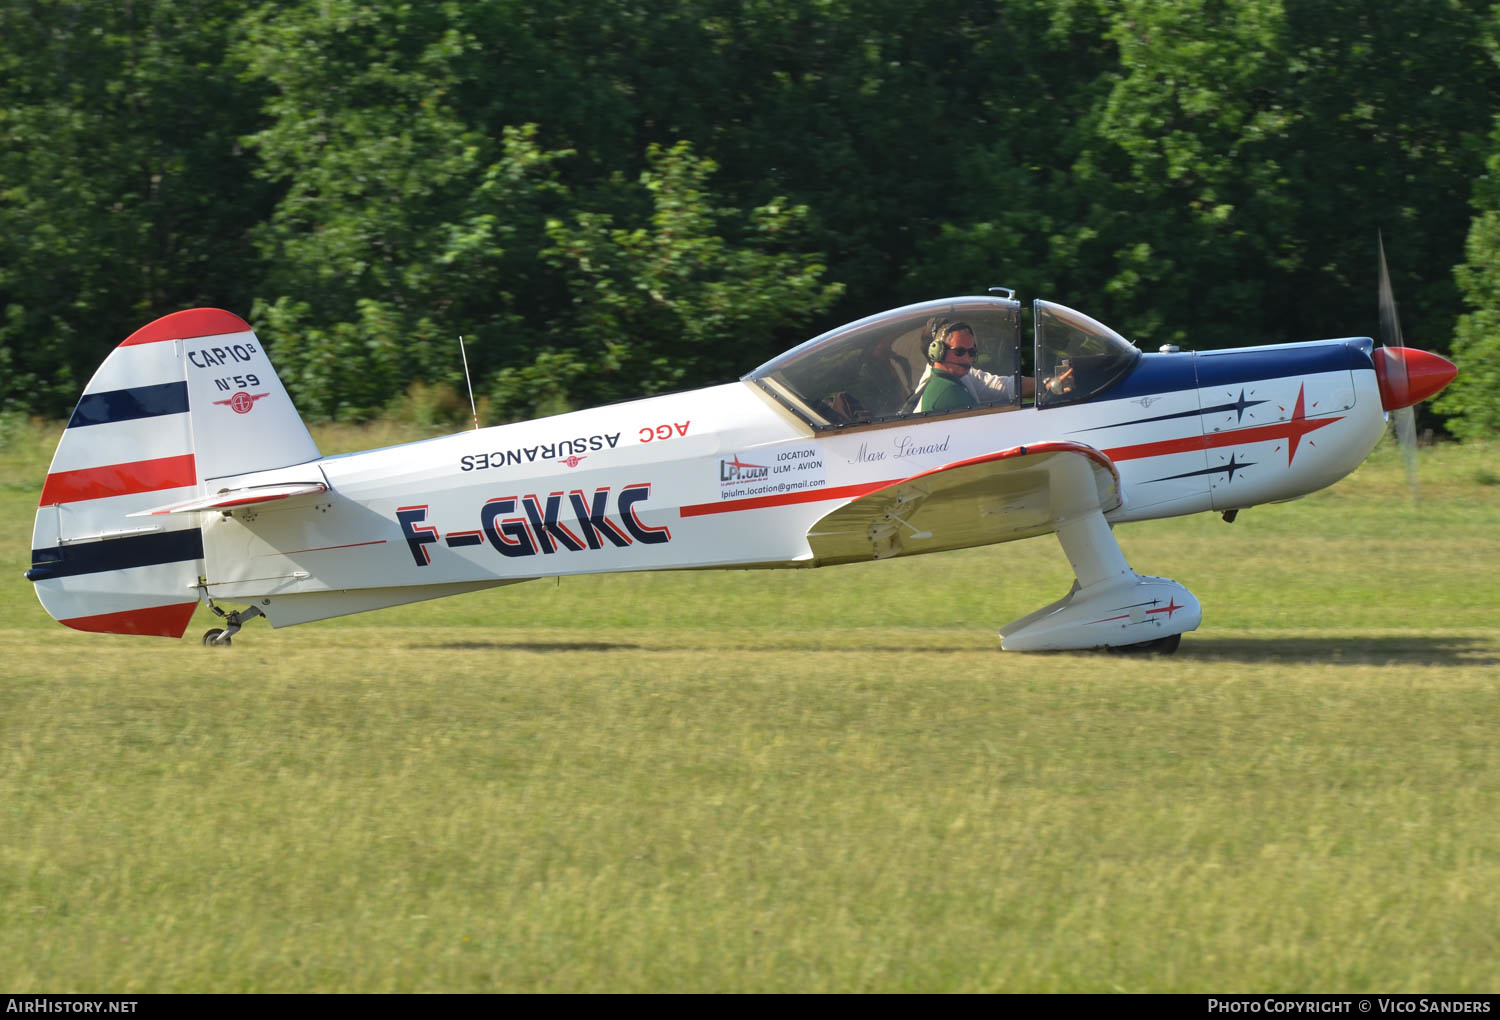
[185, 474]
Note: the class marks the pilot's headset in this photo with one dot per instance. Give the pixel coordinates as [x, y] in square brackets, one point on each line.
[936, 334]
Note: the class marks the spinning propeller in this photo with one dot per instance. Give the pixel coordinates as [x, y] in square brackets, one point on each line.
[1406, 376]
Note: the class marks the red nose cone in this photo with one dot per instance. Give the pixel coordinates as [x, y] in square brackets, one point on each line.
[1408, 375]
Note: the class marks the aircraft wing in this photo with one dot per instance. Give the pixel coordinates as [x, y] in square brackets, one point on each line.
[999, 497]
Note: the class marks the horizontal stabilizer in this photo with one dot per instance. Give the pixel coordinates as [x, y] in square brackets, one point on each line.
[230, 499]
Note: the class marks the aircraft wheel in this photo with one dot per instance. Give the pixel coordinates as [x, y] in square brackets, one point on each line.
[1159, 646]
[1167, 645]
[211, 639]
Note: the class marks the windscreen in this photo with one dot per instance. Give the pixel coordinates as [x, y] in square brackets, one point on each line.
[1077, 358]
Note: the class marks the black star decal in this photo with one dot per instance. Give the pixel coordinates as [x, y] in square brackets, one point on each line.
[1229, 469]
[1239, 406]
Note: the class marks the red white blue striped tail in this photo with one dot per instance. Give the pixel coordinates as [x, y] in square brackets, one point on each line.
[189, 398]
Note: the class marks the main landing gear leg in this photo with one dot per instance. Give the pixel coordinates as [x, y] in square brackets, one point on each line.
[1110, 605]
[219, 637]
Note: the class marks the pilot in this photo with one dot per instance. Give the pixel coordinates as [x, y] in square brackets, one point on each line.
[951, 353]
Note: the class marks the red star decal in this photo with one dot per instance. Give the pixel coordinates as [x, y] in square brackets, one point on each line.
[1170, 608]
[1299, 426]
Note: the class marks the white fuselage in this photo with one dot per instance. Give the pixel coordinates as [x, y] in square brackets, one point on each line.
[725, 476]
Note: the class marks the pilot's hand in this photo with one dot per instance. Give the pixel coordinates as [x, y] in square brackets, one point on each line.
[1062, 382]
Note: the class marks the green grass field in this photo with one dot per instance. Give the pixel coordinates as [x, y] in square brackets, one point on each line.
[785, 781]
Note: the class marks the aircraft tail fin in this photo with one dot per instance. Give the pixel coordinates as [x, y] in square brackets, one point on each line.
[186, 399]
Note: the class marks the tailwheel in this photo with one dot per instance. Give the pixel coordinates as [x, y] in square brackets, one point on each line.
[1159, 646]
[219, 638]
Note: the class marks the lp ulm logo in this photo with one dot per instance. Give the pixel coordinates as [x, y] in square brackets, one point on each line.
[735, 472]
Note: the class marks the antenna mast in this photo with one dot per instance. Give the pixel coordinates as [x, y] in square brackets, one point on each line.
[467, 382]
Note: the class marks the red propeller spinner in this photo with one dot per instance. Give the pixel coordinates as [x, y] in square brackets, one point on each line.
[1408, 376]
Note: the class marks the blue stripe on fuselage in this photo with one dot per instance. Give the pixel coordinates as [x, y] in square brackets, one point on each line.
[126, 405]
[1155, 373]
[1169, 373]
[1231, 368]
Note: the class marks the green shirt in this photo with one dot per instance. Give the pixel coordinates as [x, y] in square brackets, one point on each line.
[945, 393]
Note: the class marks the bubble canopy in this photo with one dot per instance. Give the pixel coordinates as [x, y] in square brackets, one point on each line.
[874, 370]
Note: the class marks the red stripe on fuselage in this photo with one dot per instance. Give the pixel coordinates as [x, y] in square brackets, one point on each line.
[326, 548]
[783, 499]
[865, 488]
[119, 479]
[1293, 430]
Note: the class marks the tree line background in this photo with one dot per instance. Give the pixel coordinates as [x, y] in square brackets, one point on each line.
[609, 198]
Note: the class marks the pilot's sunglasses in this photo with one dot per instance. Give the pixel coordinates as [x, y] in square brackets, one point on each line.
[964, 352]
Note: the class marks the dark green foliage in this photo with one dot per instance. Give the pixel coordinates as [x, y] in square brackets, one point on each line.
[1473, 401]
[608, 198]
[124, 190]
[1474, 397]
[670, 302]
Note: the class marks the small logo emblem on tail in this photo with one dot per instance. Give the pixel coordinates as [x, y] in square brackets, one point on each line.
[242, 402]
